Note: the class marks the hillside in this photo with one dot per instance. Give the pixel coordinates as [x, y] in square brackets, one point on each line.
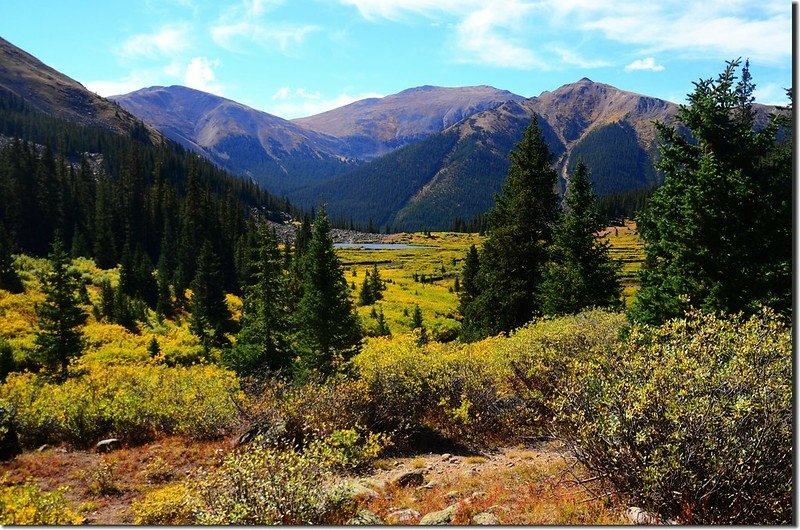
[51, 92]
[69, 170]
[274, 152]
[611, 130]
[375, 126]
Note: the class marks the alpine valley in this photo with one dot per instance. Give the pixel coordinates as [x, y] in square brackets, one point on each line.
[423, 158]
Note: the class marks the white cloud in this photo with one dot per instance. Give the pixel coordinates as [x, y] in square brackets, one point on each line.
[170, 40]
[291, 103]
[487, 32]
[712, 28]
[200, 75]
[285, 36]
[571, 58]
[483, 36]
[397, 9]
[648, 64]
[129, 83]
[771, 94]
[243, 23]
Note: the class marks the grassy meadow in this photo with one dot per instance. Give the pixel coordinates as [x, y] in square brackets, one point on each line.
[506, 429]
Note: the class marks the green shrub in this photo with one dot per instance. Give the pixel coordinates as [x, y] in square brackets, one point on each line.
[347, 449]
[170, 505]
[27, 504]
[691, 420]
[264, 485]
[133, 403]
[474, 393]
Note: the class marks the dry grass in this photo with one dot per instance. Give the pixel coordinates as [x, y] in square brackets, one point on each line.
[102, 487]
[534, 486]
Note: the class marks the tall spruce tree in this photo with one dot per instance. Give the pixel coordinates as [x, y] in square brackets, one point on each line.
[520, 230]
[9, 279]
[59, 338]
[580, 273]
[329, 329]
[718, 233]
[210, 317]
[263, 344]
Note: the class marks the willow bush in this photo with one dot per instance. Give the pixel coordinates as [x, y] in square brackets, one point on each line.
[691, 420]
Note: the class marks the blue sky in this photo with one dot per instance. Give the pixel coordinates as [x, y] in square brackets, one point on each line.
[298, 57]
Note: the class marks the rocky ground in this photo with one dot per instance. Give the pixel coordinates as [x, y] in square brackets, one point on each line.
[529, 485]
[288, 231]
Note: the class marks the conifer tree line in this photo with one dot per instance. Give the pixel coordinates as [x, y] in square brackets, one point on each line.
[717, 234]
[536, 259]
[174, 224]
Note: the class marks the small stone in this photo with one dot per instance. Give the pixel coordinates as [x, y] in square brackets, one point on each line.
[409, 478]
[374, 484]
[104, 446]
[44, 447]
[403, 516]
[495, 508]
[430, 485]
[440, 517]
[355, 491]
[447, 456]
[450, 495]
[485, 518]
[479, 496]
[366, 518]
[510, 464]
[454, 460]
[638, 516]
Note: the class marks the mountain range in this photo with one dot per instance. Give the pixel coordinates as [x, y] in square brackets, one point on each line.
[418, 159]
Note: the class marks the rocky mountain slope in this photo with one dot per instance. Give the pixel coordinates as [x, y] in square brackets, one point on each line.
[49, 91]
[375, 126]
[274, 152]
[610, 129]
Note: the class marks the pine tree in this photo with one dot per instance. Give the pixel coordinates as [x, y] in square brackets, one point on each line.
[469, 274]
[60, 315]
[210, 317]
[153, 348]
[9, 279]
[366, 296]
[263, 343]
[580, 273]
[329, 327]
[164, 306]
[376, 284]
[383, 327]
[718, 233]
[511, 260]
[416, 317]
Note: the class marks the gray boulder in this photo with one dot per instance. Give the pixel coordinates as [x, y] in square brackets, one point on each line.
[366, 518]
[440, 517]
[409, 478]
